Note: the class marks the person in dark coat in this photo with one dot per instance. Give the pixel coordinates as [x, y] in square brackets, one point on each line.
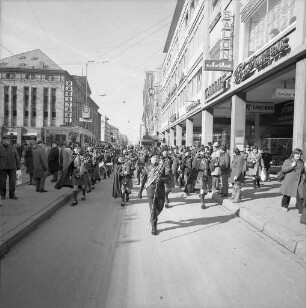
[54, 161]
[40, 166]
[237, 177]
[154, 180]
[28, 161]
[224, 164]
[292, 185]
[9, 164]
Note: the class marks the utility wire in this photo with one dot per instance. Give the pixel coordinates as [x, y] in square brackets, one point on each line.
[117, 55]
[131, 38]
[156, 52]
[42, 28]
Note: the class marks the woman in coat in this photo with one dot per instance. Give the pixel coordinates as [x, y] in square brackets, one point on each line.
[255, 164]
[54, 161]
[237, 177]
[292, 185]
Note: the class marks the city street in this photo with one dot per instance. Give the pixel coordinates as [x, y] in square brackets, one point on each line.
[98, 254]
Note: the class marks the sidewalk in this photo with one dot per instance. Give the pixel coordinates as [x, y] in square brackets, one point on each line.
[262, 209]
[22, 216]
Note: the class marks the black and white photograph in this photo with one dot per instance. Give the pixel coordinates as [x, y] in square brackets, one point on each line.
[152, 153]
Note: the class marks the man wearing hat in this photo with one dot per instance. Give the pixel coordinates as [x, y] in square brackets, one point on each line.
[237, 177]
[40, 166]
[154, 180]
[9, 164]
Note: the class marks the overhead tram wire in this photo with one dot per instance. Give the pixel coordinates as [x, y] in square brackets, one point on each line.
[131, 38]
[119, 54]
[156, 52]
[42, 28]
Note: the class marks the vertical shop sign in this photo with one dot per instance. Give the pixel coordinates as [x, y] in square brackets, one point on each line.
[225, 46]
[68, 102]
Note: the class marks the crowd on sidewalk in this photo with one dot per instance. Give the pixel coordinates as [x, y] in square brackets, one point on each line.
[199, 170]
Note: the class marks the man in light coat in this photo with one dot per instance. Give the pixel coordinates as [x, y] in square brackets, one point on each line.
[215, 167]
[40, 166]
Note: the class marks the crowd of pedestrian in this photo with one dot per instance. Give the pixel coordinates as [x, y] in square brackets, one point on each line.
[202, 169]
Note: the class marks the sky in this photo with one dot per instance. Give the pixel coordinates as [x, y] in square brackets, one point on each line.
[123, 38]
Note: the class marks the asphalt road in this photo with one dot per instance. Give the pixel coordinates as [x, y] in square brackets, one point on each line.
[98, 254]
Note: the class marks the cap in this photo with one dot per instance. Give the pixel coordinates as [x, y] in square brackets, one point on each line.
[237, 151]
[154, 154]
[40, 142]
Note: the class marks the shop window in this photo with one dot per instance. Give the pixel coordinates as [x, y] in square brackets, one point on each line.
[9, 76]
[270, 19]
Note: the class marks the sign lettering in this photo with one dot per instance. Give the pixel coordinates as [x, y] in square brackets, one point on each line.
[258, 62]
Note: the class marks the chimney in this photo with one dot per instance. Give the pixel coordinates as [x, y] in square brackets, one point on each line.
[41, 65]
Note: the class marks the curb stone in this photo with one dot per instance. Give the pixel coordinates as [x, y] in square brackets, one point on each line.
[17, 234]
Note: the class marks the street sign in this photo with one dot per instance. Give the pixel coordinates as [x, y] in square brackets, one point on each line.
[85, 112]
[85, 120]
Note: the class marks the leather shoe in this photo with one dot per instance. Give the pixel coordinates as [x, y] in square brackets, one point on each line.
[42, 190]
[13, 197]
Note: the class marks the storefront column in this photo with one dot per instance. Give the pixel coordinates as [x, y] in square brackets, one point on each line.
[299, 123]
[19, 135]
[20, 108]
[189, 132]
[207, 127]
[179, 134]
[171, 136]
[257, 130]
[238, 116]
[166, 137]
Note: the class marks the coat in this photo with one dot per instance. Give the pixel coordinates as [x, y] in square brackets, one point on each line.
[293, 179]
[9, 158]
[28, 160]
[224, 163]
[237, 169]
[40, 163]
[53, 160]
[259, 164]
[65, 157]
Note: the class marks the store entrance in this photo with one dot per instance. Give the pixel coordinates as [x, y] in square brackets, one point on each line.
[269, 115]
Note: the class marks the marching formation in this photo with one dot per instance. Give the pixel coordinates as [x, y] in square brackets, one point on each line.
[158, 170]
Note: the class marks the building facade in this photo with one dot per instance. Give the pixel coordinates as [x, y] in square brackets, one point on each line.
[151, 118]
[40, 100]
[252, 85]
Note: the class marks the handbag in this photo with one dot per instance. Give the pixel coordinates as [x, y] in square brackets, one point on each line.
[263, 175]
[280, 176]
[251, 164]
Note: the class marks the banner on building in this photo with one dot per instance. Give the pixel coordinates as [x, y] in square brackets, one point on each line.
[259, 108]
[68, 102]
[218, 65]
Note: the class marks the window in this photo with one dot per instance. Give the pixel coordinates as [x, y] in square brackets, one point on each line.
[53, 103]
[270, 19]
[14, 101]
[33, 106]
[9, 76]
[50, 77]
